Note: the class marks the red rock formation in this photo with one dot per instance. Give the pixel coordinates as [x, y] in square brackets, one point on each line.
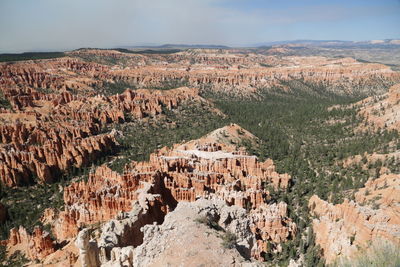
[184, 173]
[141, 103]
[341, 229]
[48, 160]
[51, 128]
[333, 75]
[230, 71]
[54, 132]
[58, 116]
[35, 246]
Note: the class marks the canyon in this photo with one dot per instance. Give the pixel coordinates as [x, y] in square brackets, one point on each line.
[46, 92]
[371, 217]
[55, 137]
[219, 71]
[295, 188]
[148, 191]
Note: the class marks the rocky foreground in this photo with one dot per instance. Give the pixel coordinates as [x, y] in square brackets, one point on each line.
[182, 206]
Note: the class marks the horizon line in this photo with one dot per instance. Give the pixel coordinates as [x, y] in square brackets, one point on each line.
[217, 46]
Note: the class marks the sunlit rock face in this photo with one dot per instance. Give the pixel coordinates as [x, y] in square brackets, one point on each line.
[37, 245]
[148, 191]
[57, 119]
[342, 229]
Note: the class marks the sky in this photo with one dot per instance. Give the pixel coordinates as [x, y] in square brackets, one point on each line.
[58, 25]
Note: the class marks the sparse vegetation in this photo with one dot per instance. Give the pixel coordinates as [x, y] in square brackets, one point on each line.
[26, 205]
[209, 222]
[170, 84]
[141, 138]
[17, 259]
[229, 240]
[4, 102]
[297, 129]
[381, 253]
[113, 88]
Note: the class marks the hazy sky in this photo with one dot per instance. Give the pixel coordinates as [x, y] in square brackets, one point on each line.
[31, 25]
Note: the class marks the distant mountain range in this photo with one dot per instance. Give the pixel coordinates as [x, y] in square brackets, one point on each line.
[331, 43]
[322, 43]
[154, 48]
[177, 46]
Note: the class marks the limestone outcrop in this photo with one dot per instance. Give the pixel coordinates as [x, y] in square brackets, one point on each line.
[231, 71]
[18, 167]
[59, 132]
[88, 251]
[186, 172]
[183, 239]
[62, 119]
[37, 245]
[342, 229]
[66, 93]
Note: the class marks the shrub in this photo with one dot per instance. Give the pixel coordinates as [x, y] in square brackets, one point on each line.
[209, 222]
[381, 253]
[229, 240]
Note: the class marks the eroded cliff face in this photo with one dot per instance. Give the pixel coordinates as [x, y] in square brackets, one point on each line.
[229, 71]
[147, 191]
[61, 132]
[35, 246]
[244, 81]
[184, 239]
[343, 229]
[59, 113]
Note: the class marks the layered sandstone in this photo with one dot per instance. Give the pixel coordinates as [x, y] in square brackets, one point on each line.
[186, 172]
[18, 165]
[59, 122]
[37, 245]
[62, 131]
[58, 114]
[342, 229]
[334, 74]
[231, 71]
[131, 239]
